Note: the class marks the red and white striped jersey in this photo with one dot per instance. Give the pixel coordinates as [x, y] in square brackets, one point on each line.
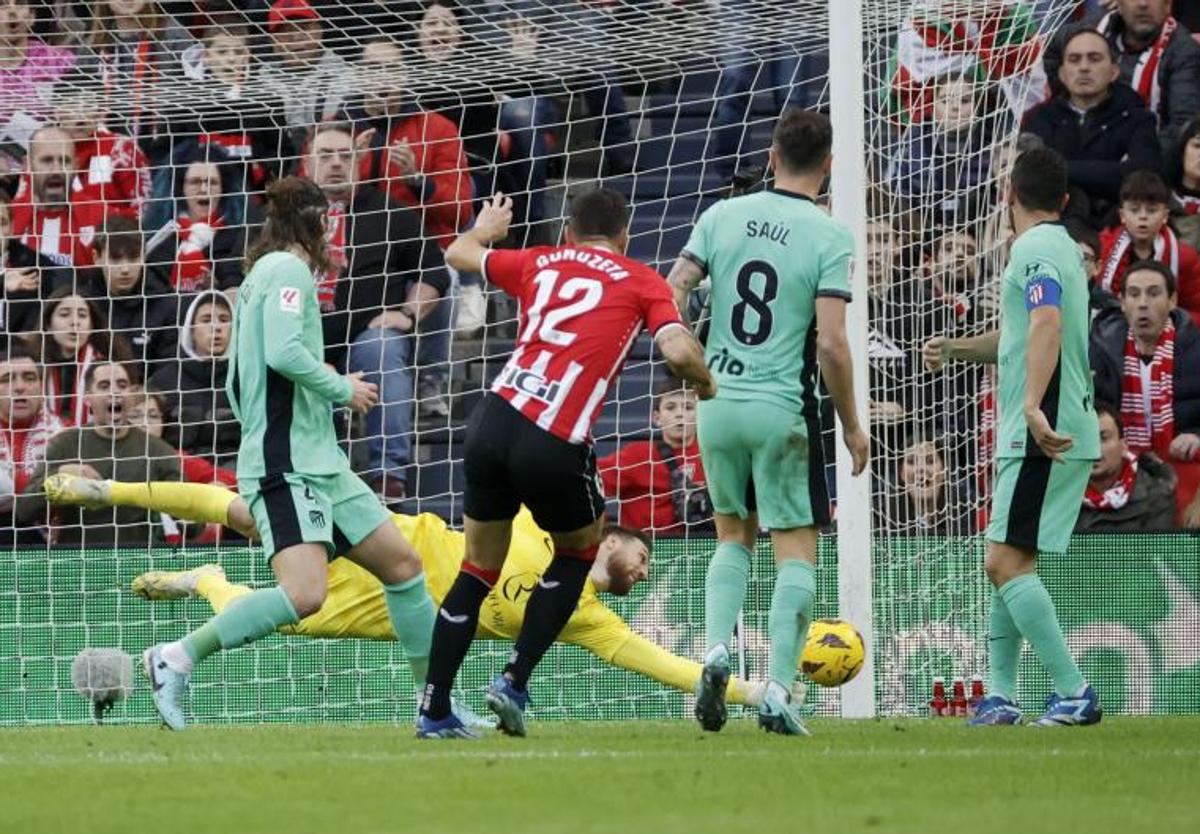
[582, 308]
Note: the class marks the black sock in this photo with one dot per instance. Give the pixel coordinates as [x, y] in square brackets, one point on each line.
[452, 634]
[550, 605]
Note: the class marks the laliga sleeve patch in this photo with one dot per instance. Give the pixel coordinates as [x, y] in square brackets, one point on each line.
[1042, 291]
[289, 299]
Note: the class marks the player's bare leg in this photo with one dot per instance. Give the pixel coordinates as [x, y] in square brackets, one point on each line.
[724, 592]
[487, 545]
[394, 562]
[787, 625]
[550, 606]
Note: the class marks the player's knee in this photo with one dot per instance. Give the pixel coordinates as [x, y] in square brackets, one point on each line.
[307, 598]
[402, 567]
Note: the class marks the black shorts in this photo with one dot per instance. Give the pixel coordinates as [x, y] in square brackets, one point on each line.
[509, 461]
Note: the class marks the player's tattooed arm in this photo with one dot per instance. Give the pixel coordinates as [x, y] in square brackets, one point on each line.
[685, 276]
[685, 358]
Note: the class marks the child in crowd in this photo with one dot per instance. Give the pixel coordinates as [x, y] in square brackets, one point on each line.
[1144, 234]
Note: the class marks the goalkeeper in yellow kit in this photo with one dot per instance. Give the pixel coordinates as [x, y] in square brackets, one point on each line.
[355, 606]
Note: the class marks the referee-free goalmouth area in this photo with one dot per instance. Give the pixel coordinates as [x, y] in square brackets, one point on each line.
[1126, 775]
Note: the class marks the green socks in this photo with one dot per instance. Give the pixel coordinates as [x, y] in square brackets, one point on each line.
[724, 591]
[791, 611]
[1033, 613]
[1004, 649]
[250, 618]
[412, 615]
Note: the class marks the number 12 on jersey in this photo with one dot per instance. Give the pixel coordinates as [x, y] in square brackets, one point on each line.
[579, 296]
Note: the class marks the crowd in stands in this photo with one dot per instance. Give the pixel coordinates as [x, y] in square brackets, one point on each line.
[136, 137]
[1116, 92]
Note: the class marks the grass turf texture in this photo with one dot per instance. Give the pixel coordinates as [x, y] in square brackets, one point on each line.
[1127, 775]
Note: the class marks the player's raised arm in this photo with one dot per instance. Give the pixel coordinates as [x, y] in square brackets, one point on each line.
[685, 358]
[833, 356]
[468, 251]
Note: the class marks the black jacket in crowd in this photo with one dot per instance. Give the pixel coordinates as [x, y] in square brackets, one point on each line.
[1178, 75]
[1108, 358]
[198, 409]
[148, 317]
[21, 312]
[1101, 146]
[386, 255]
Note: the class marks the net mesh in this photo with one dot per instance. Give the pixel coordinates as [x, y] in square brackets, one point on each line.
[174, 126]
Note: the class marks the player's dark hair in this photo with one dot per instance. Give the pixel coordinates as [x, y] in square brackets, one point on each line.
[627, 533]
[802, 139]
[1081, 29]
[1145, 187]
[1039, 180]
[296, 209]
[119, 238]
[1081, 232]
[599, 213]
[1104, 409]
[89, 376]
[1157, 267]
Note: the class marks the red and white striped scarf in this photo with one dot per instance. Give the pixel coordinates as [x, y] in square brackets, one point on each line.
[1188, 201]
[1145, 75]
[1117, 259]
[75, 409]
[1117, 495]
[192, 270]
[22, 449]
[336, 246]
[1154, 431]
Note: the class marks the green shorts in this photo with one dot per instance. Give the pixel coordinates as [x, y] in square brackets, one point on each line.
[757, 458]
[1036, 502]
[338, 511]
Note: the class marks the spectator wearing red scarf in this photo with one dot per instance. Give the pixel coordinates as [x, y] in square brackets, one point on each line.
[74, 336]
[203, 245]
[1127, 493]
[1144, 234]
[25, 425]
[1144, 359]
[49, 215]
[1157, 56]
[387, 277]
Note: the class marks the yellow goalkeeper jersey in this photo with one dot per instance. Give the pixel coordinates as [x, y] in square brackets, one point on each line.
[355, 605]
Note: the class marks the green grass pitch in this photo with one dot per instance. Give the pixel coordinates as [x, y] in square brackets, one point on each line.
[1127, 775]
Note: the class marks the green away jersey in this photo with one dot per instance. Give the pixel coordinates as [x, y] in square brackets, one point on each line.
[278, 384]
[770, 255]
[1046, 268]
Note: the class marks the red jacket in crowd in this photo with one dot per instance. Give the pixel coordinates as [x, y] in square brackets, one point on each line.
[113, 171]
[64, 234]
[1187, 277]
[640, 479]
[445, 199]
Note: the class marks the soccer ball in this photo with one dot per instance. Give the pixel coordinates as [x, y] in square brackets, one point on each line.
[833, 653]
